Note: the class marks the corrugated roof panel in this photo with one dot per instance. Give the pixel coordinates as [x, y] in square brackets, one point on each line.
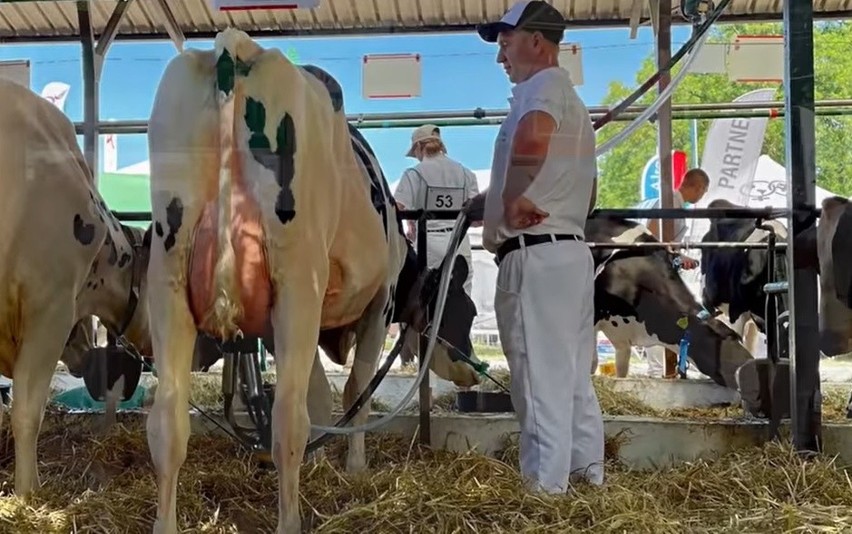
[197, 18]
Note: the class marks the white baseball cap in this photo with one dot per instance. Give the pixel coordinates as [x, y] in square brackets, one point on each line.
[528, 15]
[427, 131]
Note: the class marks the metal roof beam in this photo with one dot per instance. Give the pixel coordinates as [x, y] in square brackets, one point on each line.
[108, 36]
[172, 27]
[419, 30]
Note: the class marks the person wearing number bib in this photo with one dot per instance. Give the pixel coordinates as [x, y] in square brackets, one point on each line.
[543, 186]
[436, 183]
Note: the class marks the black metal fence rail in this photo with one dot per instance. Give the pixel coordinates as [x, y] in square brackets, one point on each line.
[625, 213]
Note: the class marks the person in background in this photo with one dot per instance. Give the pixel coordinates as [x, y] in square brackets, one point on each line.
[449, 178]
[692, 189]
[438, 171]
[543, 185]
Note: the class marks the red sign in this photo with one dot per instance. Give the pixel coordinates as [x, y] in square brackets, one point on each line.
[678, 168]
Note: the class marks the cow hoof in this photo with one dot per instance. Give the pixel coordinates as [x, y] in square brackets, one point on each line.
[355, 466]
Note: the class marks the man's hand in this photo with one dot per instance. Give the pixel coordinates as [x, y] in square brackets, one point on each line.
[521, 213]
[687, 263]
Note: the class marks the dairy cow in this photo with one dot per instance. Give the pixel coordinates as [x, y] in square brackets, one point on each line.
[268, 221]
[734, 277]
[640, 300]
[834, 246]
[65, 257]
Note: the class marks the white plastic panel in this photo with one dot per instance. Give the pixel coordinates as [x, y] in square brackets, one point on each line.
[753, 58]
[571, 59]
[16, 70]
[391, 76]
[235, 5]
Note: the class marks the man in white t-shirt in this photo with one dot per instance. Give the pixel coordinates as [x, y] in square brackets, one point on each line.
[542, 189]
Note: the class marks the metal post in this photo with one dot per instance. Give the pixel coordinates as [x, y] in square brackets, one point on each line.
[664, 137]
[425, 389]
[806, 412]
[90, 89]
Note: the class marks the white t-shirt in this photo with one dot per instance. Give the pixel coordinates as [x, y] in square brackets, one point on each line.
[563, 186]
[437, 171]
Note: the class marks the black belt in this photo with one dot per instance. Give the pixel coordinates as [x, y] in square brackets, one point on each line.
[431, 230]
[514, 243]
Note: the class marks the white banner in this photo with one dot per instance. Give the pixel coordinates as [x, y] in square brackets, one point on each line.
[730, 156]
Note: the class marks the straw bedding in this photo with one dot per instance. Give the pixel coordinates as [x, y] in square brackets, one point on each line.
[104, 483]
[96, 482]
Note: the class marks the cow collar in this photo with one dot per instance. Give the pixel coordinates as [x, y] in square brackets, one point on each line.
[135, 281]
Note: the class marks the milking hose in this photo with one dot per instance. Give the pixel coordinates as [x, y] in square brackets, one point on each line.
[459, 228]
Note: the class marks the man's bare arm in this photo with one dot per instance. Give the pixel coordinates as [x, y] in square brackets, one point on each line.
[529, 150]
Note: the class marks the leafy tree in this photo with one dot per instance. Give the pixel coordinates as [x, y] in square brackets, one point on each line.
[620, 169]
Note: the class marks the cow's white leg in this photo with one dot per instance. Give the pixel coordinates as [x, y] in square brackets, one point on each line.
[371, 335]
[319, 402]
[296, 319]
[173, 337]
[750, 337]
[40, 350]
[622, 359]
[595, 357]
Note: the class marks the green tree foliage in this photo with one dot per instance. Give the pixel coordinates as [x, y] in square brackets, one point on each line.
[620, 169]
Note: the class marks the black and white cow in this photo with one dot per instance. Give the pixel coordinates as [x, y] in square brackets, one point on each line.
[734, 277]
[834, 246]
[640, 299]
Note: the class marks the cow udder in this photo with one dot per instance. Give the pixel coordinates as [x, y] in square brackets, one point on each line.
[253, 284]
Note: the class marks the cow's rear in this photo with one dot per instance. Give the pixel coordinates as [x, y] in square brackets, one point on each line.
[263, 223]
[834, 243]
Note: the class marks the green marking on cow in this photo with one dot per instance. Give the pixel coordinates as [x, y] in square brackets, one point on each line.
[285, 136]
[227, 70]
[256, 120]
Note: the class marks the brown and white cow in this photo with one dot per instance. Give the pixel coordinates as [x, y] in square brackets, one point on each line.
[65, 257]
[266, 222]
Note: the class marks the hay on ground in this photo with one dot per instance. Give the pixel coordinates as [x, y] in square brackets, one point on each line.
[105, 484]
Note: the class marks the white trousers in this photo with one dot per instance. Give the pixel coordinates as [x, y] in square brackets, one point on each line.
[436, 249]
[545, 313]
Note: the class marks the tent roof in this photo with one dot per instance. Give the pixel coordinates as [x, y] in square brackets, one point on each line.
[146, 19]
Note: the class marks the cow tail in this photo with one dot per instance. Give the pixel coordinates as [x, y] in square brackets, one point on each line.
[227, 308]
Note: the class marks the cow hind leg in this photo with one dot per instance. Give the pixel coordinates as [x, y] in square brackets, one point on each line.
[173, 340]
[371, 332]
[40, 350]
[319, 402]
[296, 321]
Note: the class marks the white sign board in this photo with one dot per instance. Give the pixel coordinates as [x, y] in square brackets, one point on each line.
[756, 58]
[17, 71]
[391, 76]
[444, 198]
[242, 5]
[712, 59]
[571, 59]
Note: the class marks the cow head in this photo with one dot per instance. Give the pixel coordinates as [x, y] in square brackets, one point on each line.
[644, 285]
[418, 305]
[80, 342]
[736, 276]
[834, 238]
[119, 301]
